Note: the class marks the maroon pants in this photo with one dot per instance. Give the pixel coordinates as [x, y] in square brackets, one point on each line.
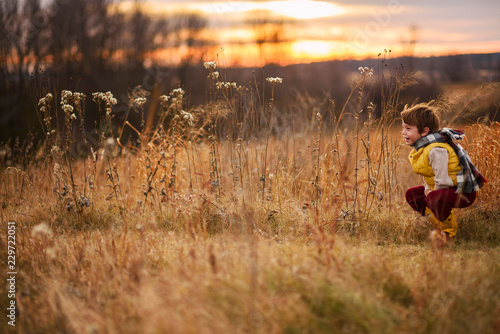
[440, 201]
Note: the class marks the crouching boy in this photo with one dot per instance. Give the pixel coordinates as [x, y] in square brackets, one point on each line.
[450, 178]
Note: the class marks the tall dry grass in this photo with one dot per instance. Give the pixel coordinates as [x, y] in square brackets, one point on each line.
[235, 217]
[153, 280]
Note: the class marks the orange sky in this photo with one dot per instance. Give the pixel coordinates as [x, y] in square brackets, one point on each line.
[325, 30]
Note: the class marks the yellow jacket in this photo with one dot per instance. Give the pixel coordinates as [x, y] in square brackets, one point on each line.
[420, 162]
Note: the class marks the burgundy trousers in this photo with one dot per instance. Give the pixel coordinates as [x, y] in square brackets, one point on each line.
[439, 201]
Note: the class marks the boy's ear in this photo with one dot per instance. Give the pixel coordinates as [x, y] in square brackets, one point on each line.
[425, 132]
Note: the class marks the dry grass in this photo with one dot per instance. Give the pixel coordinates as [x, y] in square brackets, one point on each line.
[207, 228]
[151, 280]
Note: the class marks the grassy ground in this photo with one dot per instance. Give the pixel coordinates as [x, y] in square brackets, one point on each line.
[151, 279]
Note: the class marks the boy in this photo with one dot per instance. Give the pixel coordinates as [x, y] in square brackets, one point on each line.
[450, 178]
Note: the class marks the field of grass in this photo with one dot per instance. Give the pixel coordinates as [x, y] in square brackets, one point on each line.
[237, 217]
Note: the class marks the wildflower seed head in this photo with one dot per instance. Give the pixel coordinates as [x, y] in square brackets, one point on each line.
[140, 101]
[78, 97]
[51, 254]
[57, 169]
[41, 230]
[210, 65]
[214, 75]
[66, 96]
[111, 100]
[110, 141]
[274, 81]
[107, 98]
[187, 117]
[96, 97]
[178, 91]
[55, 150]
[226, 85]
[365, 71]
[370, 107]
[68, 109]
[164, 101]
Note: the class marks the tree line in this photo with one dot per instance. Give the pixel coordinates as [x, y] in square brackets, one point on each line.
[87, 45]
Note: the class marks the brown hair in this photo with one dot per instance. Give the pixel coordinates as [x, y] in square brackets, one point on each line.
[421, 115]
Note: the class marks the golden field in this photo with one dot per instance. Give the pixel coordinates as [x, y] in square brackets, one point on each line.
[235, 217]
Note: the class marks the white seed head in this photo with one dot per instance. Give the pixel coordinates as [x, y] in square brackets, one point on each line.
[178, 91]
[41, 230]
[366, 71]
[274, 81]
[110, 141]
[66, 96]
[214, 75]
[67, 108]
[140, 101]
[210, 65]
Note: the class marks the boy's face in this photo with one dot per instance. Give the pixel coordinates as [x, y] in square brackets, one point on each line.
[411, 135]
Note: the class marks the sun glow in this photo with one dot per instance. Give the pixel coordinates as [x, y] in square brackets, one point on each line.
[313, 50]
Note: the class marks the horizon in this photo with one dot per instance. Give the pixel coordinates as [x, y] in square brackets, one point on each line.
[306, 31]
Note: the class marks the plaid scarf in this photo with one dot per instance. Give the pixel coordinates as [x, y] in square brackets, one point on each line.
[469, 179]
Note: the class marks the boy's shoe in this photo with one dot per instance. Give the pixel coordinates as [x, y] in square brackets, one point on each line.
[449, 225]
[447, 237]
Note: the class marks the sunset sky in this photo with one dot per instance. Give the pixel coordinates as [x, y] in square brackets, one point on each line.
[323, 30]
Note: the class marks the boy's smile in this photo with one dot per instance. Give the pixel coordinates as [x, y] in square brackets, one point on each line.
[411, 135]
